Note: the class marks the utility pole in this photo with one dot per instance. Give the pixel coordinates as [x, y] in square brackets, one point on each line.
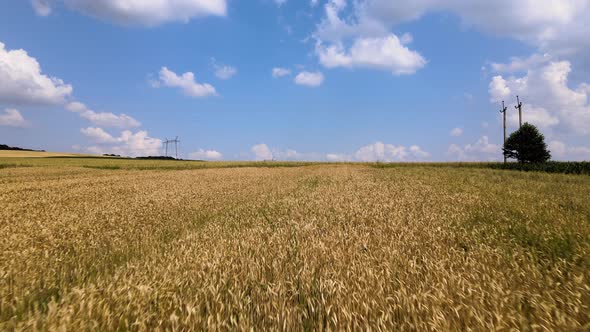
[503, 111]
[519, 108]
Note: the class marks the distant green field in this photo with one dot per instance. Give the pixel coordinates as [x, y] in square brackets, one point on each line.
[34, 154]
[41, 159]
[108, 163]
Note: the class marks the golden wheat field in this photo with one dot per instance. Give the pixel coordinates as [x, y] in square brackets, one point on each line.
[306, 247]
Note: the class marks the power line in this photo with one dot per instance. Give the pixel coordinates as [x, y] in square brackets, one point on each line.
[175, 141]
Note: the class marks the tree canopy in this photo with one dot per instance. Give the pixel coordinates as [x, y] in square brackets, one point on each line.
[527, 145]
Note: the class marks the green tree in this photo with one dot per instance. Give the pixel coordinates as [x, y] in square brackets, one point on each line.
[527, 145]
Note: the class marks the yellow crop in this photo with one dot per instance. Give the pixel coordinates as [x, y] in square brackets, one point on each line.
[316, 247]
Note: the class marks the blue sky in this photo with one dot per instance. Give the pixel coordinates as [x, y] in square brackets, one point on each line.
[362, 81]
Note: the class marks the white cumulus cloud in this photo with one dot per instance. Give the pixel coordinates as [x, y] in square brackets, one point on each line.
[555, 27]
[372, 45]
[338, 157]
[206, 155]
[370, 153]
[186, 82]
[12, 118]
[389, 153]
[310, 79]
[520, 64]
[386, 53]
[141, 12]
[546, 24]
[382, 152]
[103, 119]
[22, 82]
[498, 89]
[280, 72]
[548, 100]
[98, 135]
[127, 144]
[456, 132]
[262, 152]
[482, 150]
[225, 72]
[562, 151]
[41, 7]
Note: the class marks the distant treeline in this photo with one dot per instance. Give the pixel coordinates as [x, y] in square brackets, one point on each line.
[565, 167]
[116, 156]
[10, 148]
[156, 158]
